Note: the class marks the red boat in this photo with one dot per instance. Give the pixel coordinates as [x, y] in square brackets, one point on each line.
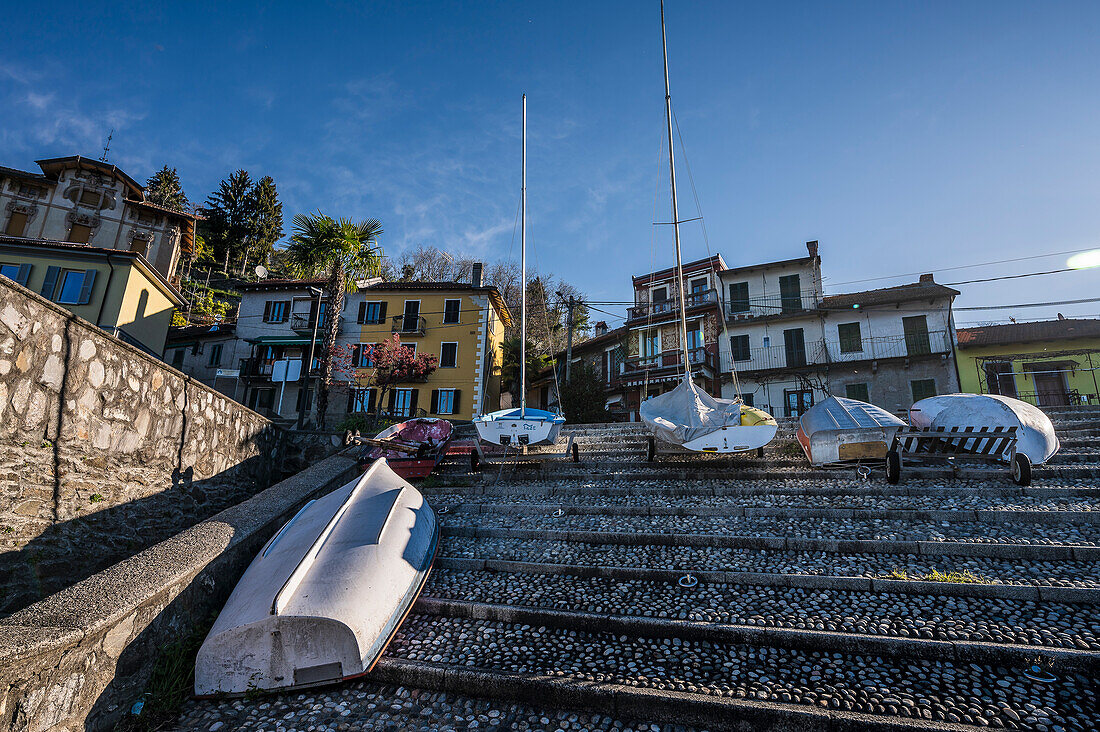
[412, 448]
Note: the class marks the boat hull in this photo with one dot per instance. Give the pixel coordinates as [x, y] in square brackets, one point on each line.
[324, 597]
[1035, 436]
[507, 427]
[841, 431]
[733, 439]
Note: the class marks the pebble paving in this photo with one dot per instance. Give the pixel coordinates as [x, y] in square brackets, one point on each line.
[1055, 625]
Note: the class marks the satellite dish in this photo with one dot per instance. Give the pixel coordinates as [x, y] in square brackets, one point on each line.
[261, 271]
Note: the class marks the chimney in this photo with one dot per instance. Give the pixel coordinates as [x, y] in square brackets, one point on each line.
[475, 275]
[927, 278]
[600, 327]
[811, 247]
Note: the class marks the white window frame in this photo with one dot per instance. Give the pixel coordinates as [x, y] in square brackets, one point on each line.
[397, 395]
[447, 343]
[451, 402]
[459, 302]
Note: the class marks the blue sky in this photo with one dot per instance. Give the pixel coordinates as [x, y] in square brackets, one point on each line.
[904, 137]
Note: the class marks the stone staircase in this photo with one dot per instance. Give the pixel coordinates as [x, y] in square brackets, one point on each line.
[615, 594]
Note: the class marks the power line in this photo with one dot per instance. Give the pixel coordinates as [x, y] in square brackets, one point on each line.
[1031, 304]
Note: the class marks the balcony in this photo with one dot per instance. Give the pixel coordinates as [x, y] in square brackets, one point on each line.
[911, 345]
[762, 307]
[669, 361]
[408, 325]
[662, 308]
[777, 357]
[258, 368]
[303, 323]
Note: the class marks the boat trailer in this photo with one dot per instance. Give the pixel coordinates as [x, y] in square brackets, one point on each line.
[916, 448]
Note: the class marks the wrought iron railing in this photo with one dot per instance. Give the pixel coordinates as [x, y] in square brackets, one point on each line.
[757, 307]
[303, 323]
[895, 346]
[670, 359]
[408, 325]
[671, 305]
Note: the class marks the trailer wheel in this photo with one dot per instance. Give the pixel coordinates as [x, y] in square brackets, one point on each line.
[475, 463]
[893, 467]
[1021, 469]
[652, 453]
[759, 452]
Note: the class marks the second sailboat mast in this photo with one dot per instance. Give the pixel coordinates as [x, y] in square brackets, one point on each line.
[523, 272]
[675, 213]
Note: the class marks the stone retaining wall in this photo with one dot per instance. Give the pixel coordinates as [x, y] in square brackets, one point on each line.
[79, 659]
[105, 450]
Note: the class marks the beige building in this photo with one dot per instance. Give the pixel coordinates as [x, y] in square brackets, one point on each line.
[84, 201]
[118, 291]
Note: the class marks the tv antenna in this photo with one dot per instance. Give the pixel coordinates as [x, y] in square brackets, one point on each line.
[107, 147]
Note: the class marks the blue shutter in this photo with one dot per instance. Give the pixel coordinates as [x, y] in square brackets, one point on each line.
[86, 288]
[51, 282]
[24, 274]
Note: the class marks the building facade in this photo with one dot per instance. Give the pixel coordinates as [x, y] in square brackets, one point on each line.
[119, 291]
[207, 353]
[1049, 363]
[84, 201]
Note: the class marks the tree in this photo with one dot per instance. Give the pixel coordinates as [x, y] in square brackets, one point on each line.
[432, 264]
[396, 364]
[164, 189]
[265, 222]
[342, 252]
[583, 398]
[509, 372]
[228, 215]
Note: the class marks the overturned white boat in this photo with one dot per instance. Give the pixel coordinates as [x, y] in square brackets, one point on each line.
[839, 430]
[1035, 435]
[692, 419]
[327, 593]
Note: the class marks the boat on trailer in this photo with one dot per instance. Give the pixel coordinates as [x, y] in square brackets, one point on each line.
[1035, 436]
[325, 595]
[840, 431]
[687, 418]
[412, 448]
[523, 426]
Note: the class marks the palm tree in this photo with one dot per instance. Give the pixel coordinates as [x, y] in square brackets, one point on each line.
[342, 252]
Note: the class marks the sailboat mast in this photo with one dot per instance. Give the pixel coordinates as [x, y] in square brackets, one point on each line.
[675, 213]
[523, 274]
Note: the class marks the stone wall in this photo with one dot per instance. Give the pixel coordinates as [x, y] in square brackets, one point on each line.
[105, 450]
[80, 658]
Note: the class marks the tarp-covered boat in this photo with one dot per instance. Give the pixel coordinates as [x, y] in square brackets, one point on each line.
[412, 448]
[327, 593]
[690, 418]
[1035, 435]
[840, 430]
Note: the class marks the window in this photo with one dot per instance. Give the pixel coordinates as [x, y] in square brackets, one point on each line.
[790, 293]
[850, 339]
[71, 286]
[445, 401]
[276, 311]
[262, 398]
[858, 391]
[140, 246]
[660, 294]
[451, 311]
[403, 402]
[17, 224]
[80, 234]
[699, 285]
[999, 378]
[362, 355]
[18, 272]
[695, 340]
[923, 388]
[91, 198]
[916, 335]
[410, 323]
[308, 394]
[649, 343]
[794, 345]
[739, 348]
[362, 400]
[371, 312]
[448, 356]
[608, 364]
[747, 399]
[215, 354]
[739, 297]
[177, 357]
[798, 401]
[410, 347]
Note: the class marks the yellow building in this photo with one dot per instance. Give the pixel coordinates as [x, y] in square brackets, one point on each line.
[1049, 363]
[117, 290]
[461, 324]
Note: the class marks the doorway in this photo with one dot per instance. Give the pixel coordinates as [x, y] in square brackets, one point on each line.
[1050, 386]
[798, 401]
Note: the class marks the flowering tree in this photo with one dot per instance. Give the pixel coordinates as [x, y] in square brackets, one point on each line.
[394, 364]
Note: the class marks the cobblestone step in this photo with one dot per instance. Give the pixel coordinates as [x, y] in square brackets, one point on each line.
[893, 615]
[847, 690]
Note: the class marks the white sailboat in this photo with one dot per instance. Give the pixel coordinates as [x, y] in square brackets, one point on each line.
[688, 417]
[523, 426]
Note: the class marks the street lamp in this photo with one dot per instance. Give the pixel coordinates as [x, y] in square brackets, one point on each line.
[303, 385]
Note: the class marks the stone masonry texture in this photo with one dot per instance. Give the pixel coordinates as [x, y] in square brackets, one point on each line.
[105, 450]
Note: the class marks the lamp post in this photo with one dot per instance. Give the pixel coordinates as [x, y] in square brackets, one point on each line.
[303, 386]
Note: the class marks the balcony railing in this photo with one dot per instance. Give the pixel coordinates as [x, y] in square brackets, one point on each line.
[669, 360]
[303, 323]
[259, 368]
[671, 305]
[777, 357]
[758, 307]
[411, 325]
[820, 352]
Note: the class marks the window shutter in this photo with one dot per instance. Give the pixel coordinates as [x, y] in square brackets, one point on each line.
[371, 395]
[355, 353]
[382, 312]
[435, 402]
[86, 289]
[351, 401]
[454, 404]
[267, 311]
[392, 401]
[412, 402]
[51, 282]
[286, 311]
[362, 313]
[24, 274]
